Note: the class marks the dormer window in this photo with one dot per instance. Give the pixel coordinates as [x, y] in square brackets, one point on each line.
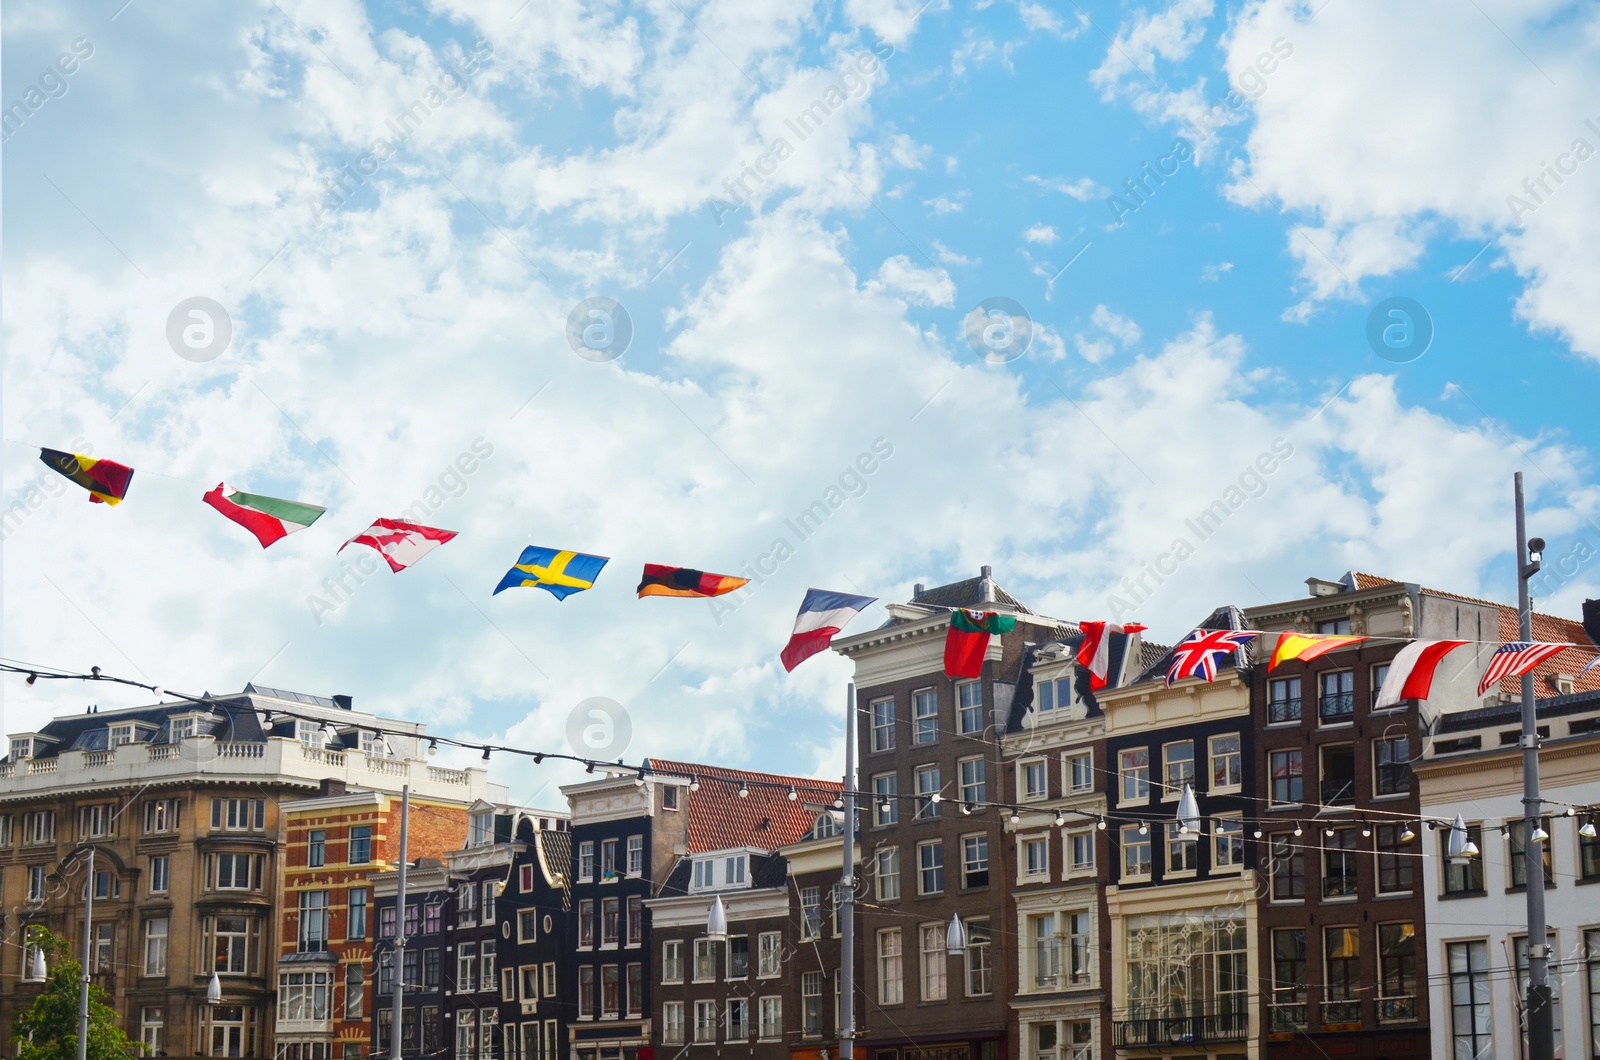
[373, 744]
[1054, 697]
[734, 869]
[21, 747]
[121, 734]
[705, 875]
[311, 734]
[482, 830]
[182, 728]
[827, 826]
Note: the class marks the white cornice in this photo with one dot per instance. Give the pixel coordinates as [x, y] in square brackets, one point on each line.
[692, 910]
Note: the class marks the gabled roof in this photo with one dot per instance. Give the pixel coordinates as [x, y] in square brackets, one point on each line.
[766, 871]
[1225, 617]
[766, 819]
[967, 593]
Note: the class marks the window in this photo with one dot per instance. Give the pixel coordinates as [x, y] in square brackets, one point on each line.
[95, 821]
[887, 870]
[979, 970]
[386, 922]
[925, 716]
[738, 1010]
[410, 976]
[974, 779]
[705, 875]
[885, 804]
[229, 1025]
[1342, 967]
[488, 1020]
[1336, 626]
[317, 849]
[313, 921]
[155, 946]
[1380, 673]
[238, 815]
[1227, 843]
[39, 827]
[771, 1017]
[1588, 849]
[1287, 776]
[1338, 774]
[969, 713]
[672, 961]
[1283, 700]
[930, 867]
[1339, 864]
[1471, 1033]
[1183, 850]
[1288, 980]
[810, 913]
[635, 920]
[927, 781]
[466, 967]
[586, 860]
[636, 855]
[1288, 868]
[610, 910]
[705, 1021]
[1135, 853]
[1080, 853]
[705, 961]
[549, 973]
[635, 987]
[237, 872]
[586, 923]
[486, 976]
[432, 918]
[734, 869]
[466, 1034]
[1032, 780]
[1515, 830]
[883, 724]
[361, 844]
[610, 996]
[1336, 696]
[1462, 875]
[672, 1018]
[769, 954]
[1055, 695]
[5, 830]
[1177, 760]
[101, 961]
[1395, 863]
[934, 962]
[355, 985]
[152, 1026]
[1046, 950]
[1591, 959]
[1227, 764]
[36, 883]
[891, 985]
[739, 957]
[1133, 768]
[1209, 948]
[811, 1003]
[1078, 771]
[1397, 973]
[160, 871]
[1391, 766]
[586, 991]
[608, 859]
[160, 815]
[1035, 858]
[235, 944]
[974, 861]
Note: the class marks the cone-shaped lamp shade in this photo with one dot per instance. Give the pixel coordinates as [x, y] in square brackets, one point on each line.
[1188, 813]
[717, 922]
[214, 990]
[955, 937]
[1587, 830]
[1455, 844]
[37, 972]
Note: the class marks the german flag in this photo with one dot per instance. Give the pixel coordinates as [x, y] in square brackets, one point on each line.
[660, 580]
[106, 480]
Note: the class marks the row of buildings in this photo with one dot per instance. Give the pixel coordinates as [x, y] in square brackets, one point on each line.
[1311, 912]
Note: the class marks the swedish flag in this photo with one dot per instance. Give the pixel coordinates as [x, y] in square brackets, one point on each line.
[559, 572]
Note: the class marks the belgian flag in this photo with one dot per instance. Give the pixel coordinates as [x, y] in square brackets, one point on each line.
[660, 580]
[106, 480]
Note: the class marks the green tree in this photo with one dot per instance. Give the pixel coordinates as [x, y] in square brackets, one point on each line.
[48, 1028]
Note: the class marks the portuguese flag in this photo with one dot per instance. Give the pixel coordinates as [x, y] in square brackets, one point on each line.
[269, 518]
[968, 640]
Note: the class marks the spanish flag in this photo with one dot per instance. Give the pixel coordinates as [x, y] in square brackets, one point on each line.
[106, 480]
[1301, 646]
[660, 580]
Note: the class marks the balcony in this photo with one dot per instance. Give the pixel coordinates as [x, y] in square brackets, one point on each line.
[1397, 1010]
[1287, 1018]
[1281, 710]
[1337, 706]
[1183, 1030]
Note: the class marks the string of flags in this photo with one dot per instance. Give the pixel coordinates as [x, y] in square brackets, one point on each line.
[823, 613]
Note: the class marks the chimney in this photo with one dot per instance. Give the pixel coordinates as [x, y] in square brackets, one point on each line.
[332, 786]
[343, 702]
[1591, 620]
[917, 590]
[986, 584]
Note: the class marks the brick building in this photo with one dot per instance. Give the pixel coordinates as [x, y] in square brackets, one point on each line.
[428, 907]
[536, 925]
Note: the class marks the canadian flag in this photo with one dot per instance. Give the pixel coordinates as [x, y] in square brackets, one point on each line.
[400, 542]
[1094, 654]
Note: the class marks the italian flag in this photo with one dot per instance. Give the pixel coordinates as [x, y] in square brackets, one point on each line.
[968, 640]
[269, 518]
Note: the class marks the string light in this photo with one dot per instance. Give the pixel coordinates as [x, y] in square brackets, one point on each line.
[744, 790]
[793, 795]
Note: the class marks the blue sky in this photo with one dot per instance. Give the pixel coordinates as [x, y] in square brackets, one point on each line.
[379, 336]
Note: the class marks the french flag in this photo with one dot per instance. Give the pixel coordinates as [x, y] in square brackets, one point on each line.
[822, 614]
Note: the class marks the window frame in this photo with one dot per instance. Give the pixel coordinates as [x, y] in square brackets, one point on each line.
[1131, 839]
[924, 726]
[881, 725]
[1127, 773]
[927, 865]
[1236, 756]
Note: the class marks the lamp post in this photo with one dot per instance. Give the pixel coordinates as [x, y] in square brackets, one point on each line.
[847, 888]
[1541, 1029]
[88, 942]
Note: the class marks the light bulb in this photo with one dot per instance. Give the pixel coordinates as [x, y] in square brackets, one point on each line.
[433, 747]
[1539, 834]
[744, 792]
[1144, 828]
[1298, 831]
[1587, 830]
[1258, 833]
[1102, 824]
[793, 795]
[1408, 835]
[694, 784]
[1060, 820]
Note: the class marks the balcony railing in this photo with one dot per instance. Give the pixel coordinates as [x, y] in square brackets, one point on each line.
[1287, 1017]
[1336, 706]
[1397, 1009]
[1283, 710]
[1341, 1013]
[1339, 791]
[1184, 1030]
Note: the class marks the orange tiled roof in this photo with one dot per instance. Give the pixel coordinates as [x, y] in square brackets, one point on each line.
[1369, 581]
[766, 819]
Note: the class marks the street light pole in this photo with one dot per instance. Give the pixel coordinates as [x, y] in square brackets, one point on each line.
[1541, 1030]
[88, 943]
[847, 888]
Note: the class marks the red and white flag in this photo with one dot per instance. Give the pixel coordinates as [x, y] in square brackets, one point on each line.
[400, 542]
[1094, 654]
[1516, 658]
[1411, 671]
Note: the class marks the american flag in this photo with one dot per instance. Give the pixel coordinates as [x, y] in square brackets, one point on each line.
[1197, 656]
[1515, 658]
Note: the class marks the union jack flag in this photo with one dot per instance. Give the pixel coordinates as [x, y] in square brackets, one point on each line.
[1515, 658]
[1197, 656]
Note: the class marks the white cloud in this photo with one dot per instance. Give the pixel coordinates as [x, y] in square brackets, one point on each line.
[1170, 35]
[941, 204]
[1215, 271]
[1083, 189]
[1122, 329]
[1040, 233]
[950, 257]
[918, 286]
